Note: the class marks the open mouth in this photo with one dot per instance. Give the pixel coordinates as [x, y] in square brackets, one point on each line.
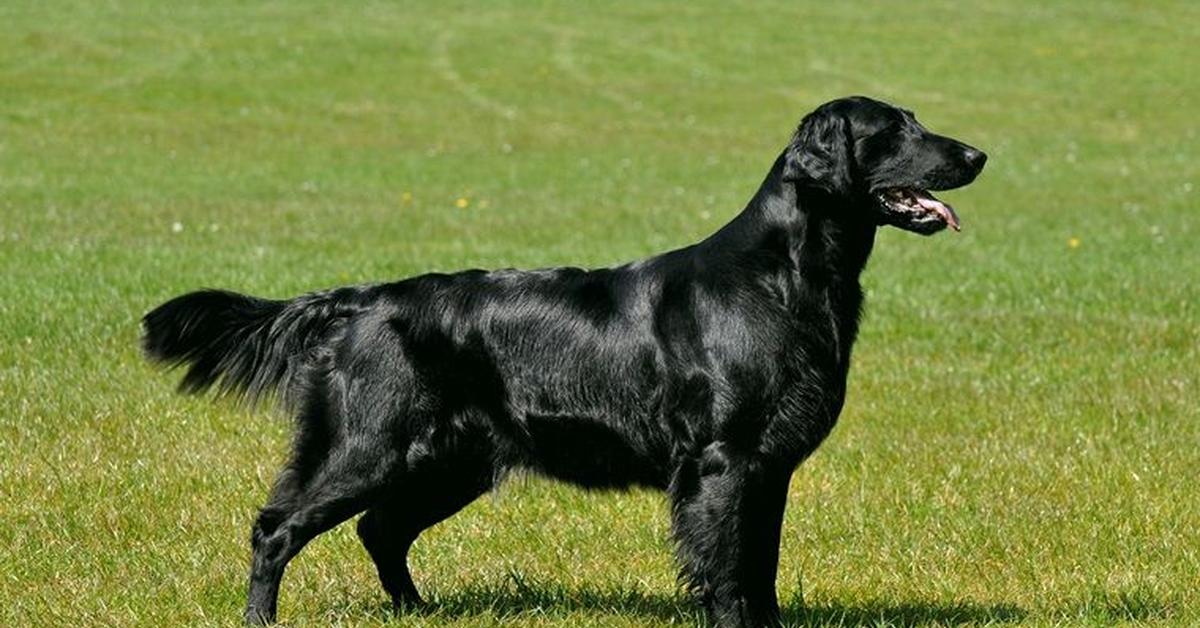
[918, 209]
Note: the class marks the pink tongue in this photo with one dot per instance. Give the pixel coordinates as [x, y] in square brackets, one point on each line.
[942, 209]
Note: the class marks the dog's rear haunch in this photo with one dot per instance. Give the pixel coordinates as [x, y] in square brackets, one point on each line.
[709, 372]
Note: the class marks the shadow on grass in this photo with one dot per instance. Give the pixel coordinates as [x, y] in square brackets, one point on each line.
[521, 597]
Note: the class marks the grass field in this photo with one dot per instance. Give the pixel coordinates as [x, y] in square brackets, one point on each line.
[1022, 436]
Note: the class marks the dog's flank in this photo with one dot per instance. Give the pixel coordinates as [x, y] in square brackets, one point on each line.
[708, 372]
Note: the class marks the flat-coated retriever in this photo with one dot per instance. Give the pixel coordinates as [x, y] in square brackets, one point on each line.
[709, 372]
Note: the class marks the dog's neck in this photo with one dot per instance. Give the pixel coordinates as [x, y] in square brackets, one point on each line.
[817, 240]
[822, 235]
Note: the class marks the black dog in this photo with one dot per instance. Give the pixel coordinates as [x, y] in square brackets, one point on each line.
[709, 372]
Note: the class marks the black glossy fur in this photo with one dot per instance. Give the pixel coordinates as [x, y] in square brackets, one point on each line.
[709, 372]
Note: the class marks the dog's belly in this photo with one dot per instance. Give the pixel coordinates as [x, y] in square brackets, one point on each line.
[592, 453]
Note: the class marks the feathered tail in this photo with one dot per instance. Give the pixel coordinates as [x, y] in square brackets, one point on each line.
[243, 344]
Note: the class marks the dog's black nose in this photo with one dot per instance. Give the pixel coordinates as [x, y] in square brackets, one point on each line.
[976, 158]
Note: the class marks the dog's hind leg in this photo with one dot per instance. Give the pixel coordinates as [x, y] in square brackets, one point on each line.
[727, 512]
[442, 481]
[343, 461]
[343, 487]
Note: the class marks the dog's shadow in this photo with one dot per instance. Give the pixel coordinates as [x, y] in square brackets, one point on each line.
[518, 597]
[524, 598]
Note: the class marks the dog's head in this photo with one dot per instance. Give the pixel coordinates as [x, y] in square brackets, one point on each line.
[882, 159]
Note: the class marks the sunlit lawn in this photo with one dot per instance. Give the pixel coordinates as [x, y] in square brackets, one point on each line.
[1022, 435]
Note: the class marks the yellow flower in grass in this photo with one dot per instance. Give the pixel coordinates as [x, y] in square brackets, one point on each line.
[1073, 243]
[462, 203]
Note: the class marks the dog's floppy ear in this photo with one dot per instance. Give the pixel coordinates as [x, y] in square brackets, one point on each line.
[821, 153]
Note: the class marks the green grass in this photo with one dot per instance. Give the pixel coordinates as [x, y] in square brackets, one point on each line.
[1022, 435]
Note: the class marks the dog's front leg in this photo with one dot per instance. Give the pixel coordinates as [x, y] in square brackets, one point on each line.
[727, 509]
